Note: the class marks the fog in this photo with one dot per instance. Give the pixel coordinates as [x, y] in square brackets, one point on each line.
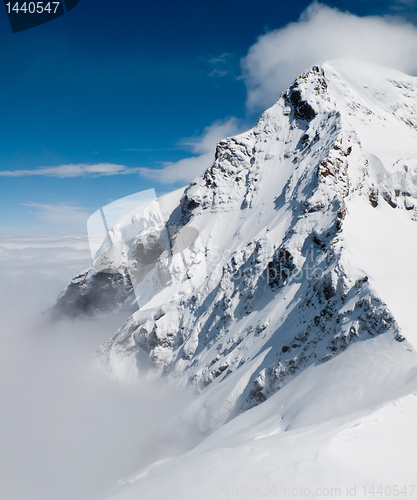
[66, 430]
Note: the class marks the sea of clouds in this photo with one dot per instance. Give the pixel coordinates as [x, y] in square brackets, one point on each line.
[66, 430]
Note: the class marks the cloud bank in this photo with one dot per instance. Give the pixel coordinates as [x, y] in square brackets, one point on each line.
[203, 149]
[323, 33]
[66, 431]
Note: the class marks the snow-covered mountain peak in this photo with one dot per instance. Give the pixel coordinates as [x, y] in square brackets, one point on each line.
[299, 220]
[348, 102]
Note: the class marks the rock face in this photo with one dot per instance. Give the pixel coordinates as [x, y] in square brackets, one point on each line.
[93, 292]
[286, 284]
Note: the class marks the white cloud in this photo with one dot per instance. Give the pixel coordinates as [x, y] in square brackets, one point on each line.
[203, 147]
[323, 33]
[148, 150]
[184, 170]
[220, 59]
[74, 170]
[60, 217]
[220, 65]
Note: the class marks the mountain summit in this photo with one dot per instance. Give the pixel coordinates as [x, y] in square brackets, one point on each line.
[307, 229]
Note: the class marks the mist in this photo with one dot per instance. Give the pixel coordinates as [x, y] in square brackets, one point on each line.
[68, 431]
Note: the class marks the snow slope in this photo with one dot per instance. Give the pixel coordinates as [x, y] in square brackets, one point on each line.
[327, 433]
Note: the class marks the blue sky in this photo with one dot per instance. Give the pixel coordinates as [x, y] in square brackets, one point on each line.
[94, 104]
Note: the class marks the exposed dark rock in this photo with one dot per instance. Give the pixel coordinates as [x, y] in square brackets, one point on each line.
[388, 198]
[373, 197]
[302, 109]
[280, 268]
[93, 293]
